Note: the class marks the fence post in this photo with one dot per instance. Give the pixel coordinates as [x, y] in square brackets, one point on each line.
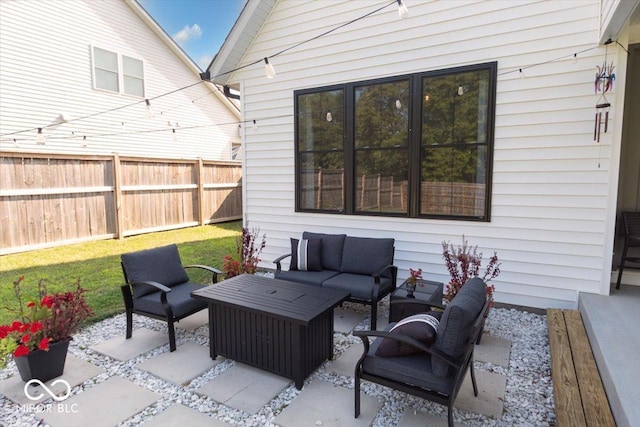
[117, 196]
[200, 171]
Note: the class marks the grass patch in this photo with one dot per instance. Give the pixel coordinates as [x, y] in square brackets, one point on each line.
[97, 265]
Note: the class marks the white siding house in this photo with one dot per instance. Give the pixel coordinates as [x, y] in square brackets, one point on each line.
[81, 71]
[554, 190]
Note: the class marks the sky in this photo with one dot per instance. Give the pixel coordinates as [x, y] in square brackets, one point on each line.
[198, 26]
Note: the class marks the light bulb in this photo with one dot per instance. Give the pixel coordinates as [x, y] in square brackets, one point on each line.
[239, 130]
[402, 9]
[150, 113]
[255, 125]
[522, 76]
[84, 140]
[41, 138]
[398, 104]
[271, 72]
[175, 135]
[575, 58]
[329, 116]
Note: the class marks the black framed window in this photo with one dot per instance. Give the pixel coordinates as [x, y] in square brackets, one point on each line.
[417, 145]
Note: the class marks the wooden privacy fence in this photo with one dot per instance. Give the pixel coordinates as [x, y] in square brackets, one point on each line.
[49, 200]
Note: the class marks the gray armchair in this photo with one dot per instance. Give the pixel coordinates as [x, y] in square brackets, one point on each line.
[437, 371]
[157, 286]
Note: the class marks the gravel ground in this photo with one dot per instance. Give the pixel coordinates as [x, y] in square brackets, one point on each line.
[528, 399]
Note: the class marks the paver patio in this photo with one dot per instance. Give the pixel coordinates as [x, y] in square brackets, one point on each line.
[229, 389]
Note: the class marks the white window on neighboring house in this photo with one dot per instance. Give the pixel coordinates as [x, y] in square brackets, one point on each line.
[117, 73]
[236, 151]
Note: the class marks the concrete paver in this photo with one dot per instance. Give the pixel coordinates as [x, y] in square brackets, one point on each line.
[76, 371]
[105, 404]
[412, 418]
[142, 340]
[180, 415]
[244, 387]
[194, 321]
[346, 362]
[181, 366]
[491, 391]
[345, 320]
[323, 404]
[494, 350]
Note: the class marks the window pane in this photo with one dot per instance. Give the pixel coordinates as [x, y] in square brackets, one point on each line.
[105, 60]
[132, 67]
[106, 80]
[133, 86]
[321, 181]
[455, 108]
[382, 115]
[454, 181]
[317, 129]
[381, 181]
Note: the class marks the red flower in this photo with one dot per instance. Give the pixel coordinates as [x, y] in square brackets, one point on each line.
[35, 327]
[15, 326]
[31, 304]
[47, 300]
[44, 344]
[4, 331]
[25, 339]
[21, 351]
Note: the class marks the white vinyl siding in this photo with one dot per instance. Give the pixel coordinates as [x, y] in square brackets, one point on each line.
[55, 40]
[551, 182]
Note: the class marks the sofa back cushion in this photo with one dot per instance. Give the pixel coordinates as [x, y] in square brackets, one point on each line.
[366, 255]
[332, 245]
[162, 265]
[456, 324]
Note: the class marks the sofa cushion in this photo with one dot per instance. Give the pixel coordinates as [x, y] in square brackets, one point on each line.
[162, 265]
[365, 255]
[421, 327]
[332, 245]
[306, 277]
[360, 287]
[408, 369]
[306, 255]
[457, 322]
[179, 298]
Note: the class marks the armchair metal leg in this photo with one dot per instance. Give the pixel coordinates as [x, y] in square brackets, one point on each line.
[357, 400]
[473, 378]
[374, 315]
[621, 266]
[172, 335]
[129, 315]
[450, 414]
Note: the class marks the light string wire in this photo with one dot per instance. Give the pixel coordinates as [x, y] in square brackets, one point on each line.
[259, 61]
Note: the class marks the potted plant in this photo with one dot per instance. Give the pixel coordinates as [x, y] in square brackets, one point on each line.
[247, 256]
[38, 339]
[464, 262]
[412, 281]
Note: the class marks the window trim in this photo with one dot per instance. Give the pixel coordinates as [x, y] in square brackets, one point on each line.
[415, 150]
[120, 73]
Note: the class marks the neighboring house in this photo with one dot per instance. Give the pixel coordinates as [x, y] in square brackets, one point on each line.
[74, 69]
[467, 117]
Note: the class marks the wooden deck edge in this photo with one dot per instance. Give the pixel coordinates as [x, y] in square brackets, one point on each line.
[579, 394]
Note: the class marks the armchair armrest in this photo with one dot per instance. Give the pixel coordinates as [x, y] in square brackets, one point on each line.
[214, 271]
[159, 286]
[407, 340]
[375, 292]
[278, 260]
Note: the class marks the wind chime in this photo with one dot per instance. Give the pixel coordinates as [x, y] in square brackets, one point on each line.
[603, 84]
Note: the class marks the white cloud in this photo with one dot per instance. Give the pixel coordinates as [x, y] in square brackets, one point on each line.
[204, 61]
[187, 33]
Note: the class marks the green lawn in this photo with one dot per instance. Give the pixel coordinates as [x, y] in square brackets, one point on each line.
[97, 265]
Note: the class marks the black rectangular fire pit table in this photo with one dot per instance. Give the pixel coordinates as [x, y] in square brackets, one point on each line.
[279, 326]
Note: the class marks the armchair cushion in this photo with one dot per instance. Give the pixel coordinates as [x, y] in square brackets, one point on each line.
[456, 323]
[421, 327]
[306, 277]
[162, 265]
[332, 245]
[412, 369]
[306, 255]
[179, 298]
[363, 255]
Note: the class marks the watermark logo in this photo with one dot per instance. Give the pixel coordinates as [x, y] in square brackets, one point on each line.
[50, 408]
[47, 389]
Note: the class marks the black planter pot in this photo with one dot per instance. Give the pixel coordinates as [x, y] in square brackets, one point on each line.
[43, 365]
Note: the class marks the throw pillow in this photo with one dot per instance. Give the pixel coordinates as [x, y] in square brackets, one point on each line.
[306, 255]
[421, 327]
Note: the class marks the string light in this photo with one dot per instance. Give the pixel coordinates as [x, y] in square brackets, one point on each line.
[150, 112]
[402, 10]
[521, 73]
[255, 125]
[175, 135]
[84, 140]
[268, 68]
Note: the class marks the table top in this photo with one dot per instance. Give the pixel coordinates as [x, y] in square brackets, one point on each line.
[278, 298]
[424, 289]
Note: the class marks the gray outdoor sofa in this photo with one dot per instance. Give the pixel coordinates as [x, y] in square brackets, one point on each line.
[361, 265]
